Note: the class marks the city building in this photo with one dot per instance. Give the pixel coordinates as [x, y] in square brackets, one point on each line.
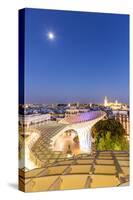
[115, 105]
[72, 110]
[33, 119]
[123, 118]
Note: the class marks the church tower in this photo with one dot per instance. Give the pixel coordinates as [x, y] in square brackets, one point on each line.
[105, 101]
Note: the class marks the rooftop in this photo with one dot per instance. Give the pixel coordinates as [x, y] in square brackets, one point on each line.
[82, 117]
[101, 169]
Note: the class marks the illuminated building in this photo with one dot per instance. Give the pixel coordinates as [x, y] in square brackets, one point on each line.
[105, 102]
[33, 119]
[123, 118]
[72, 110]
[115, 105]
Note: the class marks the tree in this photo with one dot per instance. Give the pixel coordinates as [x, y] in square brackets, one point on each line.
[109, 135]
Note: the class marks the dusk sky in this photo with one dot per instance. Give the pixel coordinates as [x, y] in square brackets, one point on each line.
[76, 56]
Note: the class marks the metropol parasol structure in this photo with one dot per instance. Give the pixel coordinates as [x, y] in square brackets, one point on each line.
[53, 160]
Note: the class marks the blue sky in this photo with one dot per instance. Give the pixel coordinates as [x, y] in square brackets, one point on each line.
[87, 60]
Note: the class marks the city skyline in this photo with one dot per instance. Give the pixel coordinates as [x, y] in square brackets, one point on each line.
[111, 100]
[74, 56]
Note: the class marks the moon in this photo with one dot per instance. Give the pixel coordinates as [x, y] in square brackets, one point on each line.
[51, 36]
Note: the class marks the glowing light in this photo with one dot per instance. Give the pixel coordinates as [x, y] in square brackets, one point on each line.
[51, 36]
[116, 102]
[105, 102]
[69, 155]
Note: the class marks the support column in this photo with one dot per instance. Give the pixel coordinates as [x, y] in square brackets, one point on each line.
[84, 135]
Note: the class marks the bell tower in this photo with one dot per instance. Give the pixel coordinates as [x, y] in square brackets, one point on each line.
[105, 101]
